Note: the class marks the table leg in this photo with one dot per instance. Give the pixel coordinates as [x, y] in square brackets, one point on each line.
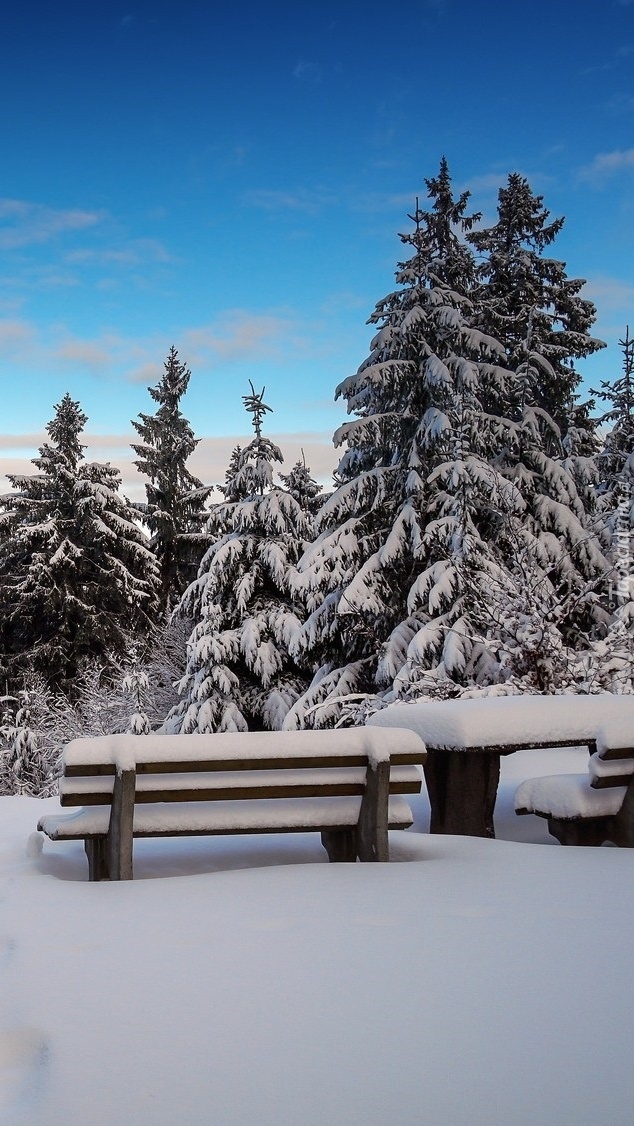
[462, 788]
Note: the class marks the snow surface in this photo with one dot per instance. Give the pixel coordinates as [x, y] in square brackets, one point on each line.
[246, 981]
[493, 721]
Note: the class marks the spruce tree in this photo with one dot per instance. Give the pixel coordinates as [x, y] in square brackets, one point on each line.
[302, 487]
[530, 305]
[239, 673]
[616, 471]
[175, 498]
[416, 502]
[78, 574]
[25, 766]
[452, 466]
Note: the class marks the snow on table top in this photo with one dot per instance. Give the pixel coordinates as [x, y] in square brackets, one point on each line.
[499, 721]
[124, 751]
[568, 796]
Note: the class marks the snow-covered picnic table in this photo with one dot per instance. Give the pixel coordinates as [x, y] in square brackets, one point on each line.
[465, 739]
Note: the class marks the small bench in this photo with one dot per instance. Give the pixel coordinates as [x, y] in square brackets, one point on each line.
[346, 784]
[591, 808]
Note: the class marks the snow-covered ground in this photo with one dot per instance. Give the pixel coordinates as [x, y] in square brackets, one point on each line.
[247, 981]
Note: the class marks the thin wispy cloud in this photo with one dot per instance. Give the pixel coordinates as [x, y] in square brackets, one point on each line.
[136, 252]
[307, 71]
[15, 335]
[241, 335]
[22, 441]
[605, 165]
[23, 223]
[234, 336]
[614, 300]
[304, 200]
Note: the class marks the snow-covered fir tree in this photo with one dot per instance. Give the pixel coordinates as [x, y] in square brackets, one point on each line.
[416, 491]
[25, 766]
[616, 489]
[616, 459]
[239, 673]
[175, 498]
[135, 685]
[305, 490]
[79, 578]
[431, 501]
[530, 305]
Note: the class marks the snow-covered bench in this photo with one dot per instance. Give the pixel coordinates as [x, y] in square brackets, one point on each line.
[345, 784]
[590, 808]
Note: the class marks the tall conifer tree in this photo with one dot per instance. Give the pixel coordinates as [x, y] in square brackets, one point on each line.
[79, 576]
[175, 498]
[239, 673]
[453, 466]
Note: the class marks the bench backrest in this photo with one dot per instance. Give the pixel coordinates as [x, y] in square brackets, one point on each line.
[231, 766]
[613, 762]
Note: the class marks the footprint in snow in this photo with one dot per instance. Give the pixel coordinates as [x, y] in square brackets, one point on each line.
[7, 950]
[23, 1062]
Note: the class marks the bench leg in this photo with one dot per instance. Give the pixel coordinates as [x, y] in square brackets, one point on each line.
[340, 844]
[97, 854]
[372, 839]
[590, 831]
[622, 827]
[120, 830]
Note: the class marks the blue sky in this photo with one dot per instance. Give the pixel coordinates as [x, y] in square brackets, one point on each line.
[232, 178]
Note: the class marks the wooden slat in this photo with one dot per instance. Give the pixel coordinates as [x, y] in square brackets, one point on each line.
[606, 781]
[614, 753]
[228, 793]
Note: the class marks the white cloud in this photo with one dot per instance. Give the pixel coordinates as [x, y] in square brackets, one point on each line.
[148, 373]
[83, 352]
[233, 336]
[136, 252]
[23, 223]
[610, 295]
[605, 165]
[22, 441]
[16, 336]
[238, 335]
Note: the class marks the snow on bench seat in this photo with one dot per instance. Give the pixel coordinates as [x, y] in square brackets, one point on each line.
[209, 818]
[567, 796]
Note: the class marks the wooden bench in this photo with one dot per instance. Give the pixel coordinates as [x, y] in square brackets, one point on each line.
[346, 784]
[590, 808]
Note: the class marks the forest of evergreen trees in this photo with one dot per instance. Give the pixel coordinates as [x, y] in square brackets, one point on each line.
[477, 539]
